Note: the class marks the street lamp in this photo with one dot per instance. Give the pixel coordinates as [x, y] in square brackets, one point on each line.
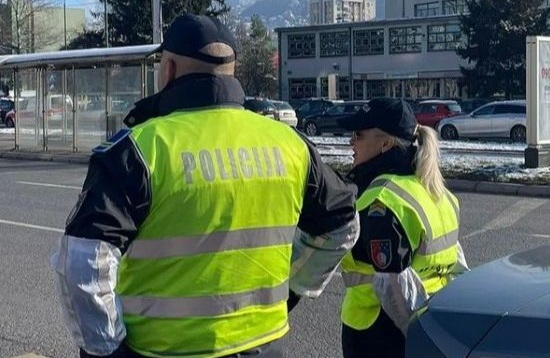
[65, 22]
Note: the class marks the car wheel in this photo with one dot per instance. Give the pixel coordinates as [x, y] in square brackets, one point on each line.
[518, 134]
[9, 123]
[449, 132]
[311, 129]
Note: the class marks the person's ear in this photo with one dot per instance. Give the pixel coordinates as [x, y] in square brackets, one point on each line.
[169, 71]
[387, 144]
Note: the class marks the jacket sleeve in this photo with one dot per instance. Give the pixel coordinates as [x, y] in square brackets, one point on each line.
[113, 203]
[388, 250]
[327, 228]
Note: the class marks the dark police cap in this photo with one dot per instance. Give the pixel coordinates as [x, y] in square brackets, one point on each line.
[188, 34]
[392, 115]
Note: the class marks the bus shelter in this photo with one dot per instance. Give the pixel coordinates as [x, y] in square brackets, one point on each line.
[74, 100]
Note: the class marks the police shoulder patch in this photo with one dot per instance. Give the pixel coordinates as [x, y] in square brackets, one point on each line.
[119, 136]
[377, 209]
[381, 253]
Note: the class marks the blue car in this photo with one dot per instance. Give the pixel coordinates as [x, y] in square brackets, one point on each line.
[500, 309]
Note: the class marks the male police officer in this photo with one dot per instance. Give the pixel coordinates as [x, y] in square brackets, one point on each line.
[181, 242]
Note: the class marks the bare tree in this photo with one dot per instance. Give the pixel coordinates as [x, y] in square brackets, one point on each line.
[26, 35]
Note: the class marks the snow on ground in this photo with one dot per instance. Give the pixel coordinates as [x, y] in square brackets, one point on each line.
[488, 167]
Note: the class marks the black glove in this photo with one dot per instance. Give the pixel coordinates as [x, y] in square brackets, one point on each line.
[121, 352]
[292, 301]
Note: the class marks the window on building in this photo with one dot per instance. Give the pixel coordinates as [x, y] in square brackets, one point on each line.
[301, 45]
[426, 9]
[405, 39]
[329, 12]
[358, 92]
[334, 44]
[454, 7]
[314, 14]
[444, 37]
[376, 89]
[343, 88]
[368, 42]
[302, 87]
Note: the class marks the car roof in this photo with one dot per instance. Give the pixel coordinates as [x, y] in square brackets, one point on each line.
[517, 102]
[438, 101]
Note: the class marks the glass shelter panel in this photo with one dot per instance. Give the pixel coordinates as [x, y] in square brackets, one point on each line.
[58, 105]
[125, 90]
[28, 115]
[90, 107]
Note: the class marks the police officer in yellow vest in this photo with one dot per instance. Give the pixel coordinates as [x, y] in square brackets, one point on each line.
[181, 242]
[408, 246]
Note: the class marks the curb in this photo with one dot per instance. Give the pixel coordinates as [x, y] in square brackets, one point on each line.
[460, 185]
[485, 187]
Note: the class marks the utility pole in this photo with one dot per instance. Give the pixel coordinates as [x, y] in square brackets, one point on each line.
[65, 22]
[106, 23]
[157, 21]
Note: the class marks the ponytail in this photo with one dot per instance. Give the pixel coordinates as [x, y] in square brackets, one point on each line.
[427, 162]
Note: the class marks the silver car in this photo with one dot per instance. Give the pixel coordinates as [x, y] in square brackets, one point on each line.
[285, 113]
[504, 119]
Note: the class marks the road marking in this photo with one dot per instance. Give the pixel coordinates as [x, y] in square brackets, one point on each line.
[540, 236]
[510, 216]
[38, 227]
[49, 185]
[30, 355]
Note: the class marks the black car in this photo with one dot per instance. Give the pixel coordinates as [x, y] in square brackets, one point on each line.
[6, 105]
[500, 309]
[261, 106]
[313, 106]
[327, 121]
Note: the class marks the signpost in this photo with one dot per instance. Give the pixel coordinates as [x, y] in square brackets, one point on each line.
[537, 153]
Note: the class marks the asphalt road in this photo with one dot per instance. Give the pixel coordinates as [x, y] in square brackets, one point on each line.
[37, 196]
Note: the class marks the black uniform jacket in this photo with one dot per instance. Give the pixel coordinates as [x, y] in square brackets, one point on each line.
[116, 196]
[380, 229]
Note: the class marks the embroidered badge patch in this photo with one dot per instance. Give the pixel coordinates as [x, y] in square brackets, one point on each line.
[381, 253]
[377, 209]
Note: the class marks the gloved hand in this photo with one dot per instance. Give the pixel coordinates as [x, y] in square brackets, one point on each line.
[121, 352]
[293, 300]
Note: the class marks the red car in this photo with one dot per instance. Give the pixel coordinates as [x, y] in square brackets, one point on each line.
[430, 112]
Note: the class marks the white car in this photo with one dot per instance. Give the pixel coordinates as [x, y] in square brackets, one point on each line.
[503, 119]
[285, 113]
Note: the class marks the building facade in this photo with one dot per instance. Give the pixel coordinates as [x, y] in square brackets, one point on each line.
[338, 11]
[401, 56]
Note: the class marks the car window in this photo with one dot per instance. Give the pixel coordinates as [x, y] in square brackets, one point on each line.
[454, 108]
[282, 105]
[336, 110]
[510, 108]
[317, 107]
[57, 102]
[258, 105]
[304, 108]
[484, 111]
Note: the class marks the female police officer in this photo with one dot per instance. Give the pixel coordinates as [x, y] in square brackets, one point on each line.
[408, 247]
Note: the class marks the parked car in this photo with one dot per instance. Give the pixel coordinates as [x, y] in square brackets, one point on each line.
[9, 121]
[313, 106]
[471, 104]
[429, 113]
[6, 105]
[499, 309]
[327, 121]
[285, 113]
[261, 106]
[504, 119]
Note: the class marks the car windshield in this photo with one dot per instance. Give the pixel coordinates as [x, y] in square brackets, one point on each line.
[282, 105]
[259, 105]
[455, 108]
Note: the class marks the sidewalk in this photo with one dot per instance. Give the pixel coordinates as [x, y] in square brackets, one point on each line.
[460, 185]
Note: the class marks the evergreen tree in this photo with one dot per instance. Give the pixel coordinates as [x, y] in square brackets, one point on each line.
[130, 21]
[255, 68]
[496, 32]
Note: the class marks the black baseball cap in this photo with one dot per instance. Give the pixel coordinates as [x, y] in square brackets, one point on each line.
[392, 115]
[188, 34]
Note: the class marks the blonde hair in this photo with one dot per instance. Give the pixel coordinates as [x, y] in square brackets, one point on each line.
[427, 161]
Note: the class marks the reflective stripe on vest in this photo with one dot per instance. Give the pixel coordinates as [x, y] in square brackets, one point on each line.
[352, 279]
[162, 307]
[208, 243]
[428, 245]
[207, 275]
